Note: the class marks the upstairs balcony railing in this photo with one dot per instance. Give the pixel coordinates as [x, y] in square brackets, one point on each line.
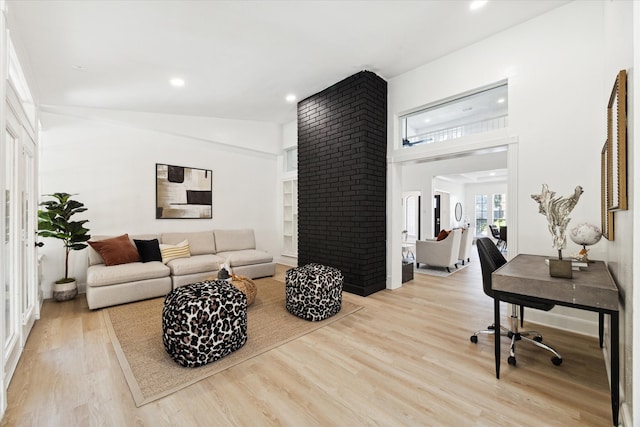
[446, 134]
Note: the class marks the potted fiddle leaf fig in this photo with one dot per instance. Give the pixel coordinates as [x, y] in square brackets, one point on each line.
[55, 221]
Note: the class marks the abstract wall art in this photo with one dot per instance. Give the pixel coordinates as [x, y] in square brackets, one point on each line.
[183, 192]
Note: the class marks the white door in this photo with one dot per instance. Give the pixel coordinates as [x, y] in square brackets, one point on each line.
[20, 275]
[28, 224]
[12, 271]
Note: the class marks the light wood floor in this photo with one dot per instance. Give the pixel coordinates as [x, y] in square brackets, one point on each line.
[405, 359]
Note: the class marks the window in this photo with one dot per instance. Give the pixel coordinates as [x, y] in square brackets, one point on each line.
[499, 210]
[481, 214]
[291, 159]
[482, 111]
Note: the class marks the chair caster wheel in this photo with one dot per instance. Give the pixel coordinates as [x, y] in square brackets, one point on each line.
[510, 334]
[512, 360]
[556, 360]
[491, 327]
[474, 339]
[537, 339]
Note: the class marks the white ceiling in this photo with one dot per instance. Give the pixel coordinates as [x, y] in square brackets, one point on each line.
[239, 58]
[477, 177]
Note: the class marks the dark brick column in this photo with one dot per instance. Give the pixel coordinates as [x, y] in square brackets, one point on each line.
[342, 172]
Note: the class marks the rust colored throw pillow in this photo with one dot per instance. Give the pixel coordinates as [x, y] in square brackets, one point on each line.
[442, 235]
[116, 250]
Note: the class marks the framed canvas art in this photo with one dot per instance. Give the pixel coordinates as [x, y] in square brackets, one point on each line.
[183, 192]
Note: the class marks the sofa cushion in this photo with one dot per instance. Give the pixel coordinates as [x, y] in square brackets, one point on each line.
[194, 264]
[149, 250]
[102, 275]
[200, 242]
[116, 250]
[169, 252]
[234, 240]
[245, 257]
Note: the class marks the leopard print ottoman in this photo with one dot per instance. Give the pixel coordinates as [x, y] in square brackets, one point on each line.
[203, 322]
[314, 291]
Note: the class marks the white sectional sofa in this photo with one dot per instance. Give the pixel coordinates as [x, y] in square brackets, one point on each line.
[136, 280]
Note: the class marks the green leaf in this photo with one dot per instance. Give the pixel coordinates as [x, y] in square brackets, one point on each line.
[54, 221]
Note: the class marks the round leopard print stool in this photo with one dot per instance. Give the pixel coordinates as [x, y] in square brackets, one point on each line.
[203, 322]
[314, 291]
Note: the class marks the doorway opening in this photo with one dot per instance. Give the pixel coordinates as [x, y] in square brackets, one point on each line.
[411, 202]
[440, 174]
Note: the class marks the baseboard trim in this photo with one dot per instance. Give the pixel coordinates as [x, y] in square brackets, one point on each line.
[561, 321]
[363, 291]
[286, 260]
[625, 415]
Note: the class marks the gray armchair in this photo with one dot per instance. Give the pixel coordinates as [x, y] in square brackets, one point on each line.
[443, 253]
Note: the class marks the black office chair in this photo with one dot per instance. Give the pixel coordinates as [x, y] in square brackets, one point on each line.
[495, 233]
[490, 260]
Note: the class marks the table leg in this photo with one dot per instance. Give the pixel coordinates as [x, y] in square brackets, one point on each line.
[615, 367]
[496, 331]
[600, 326]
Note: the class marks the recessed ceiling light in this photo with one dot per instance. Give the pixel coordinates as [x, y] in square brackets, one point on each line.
[177, 82]
[501, 100]
[79, 67]
[477, 4]
[290, 98]
[427, 120]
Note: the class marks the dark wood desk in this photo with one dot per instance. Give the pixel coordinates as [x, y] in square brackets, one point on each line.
[591, 289]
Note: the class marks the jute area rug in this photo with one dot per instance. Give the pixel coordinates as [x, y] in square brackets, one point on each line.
[438, 271]
[136, 333]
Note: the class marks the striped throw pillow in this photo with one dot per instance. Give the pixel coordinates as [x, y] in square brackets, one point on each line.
[180, 250]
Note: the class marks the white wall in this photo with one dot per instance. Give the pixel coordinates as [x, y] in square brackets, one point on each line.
[555, 103]
[110, 163]
[632, 404]
[290, 134]
[560, 68]
[618, 54]
[556, 94]
[4, 264]
[556, 109]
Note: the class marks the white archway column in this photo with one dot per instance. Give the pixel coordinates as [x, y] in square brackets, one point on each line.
[394, 225]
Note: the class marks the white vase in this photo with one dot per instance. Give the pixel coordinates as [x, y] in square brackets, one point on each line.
[65, 291]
